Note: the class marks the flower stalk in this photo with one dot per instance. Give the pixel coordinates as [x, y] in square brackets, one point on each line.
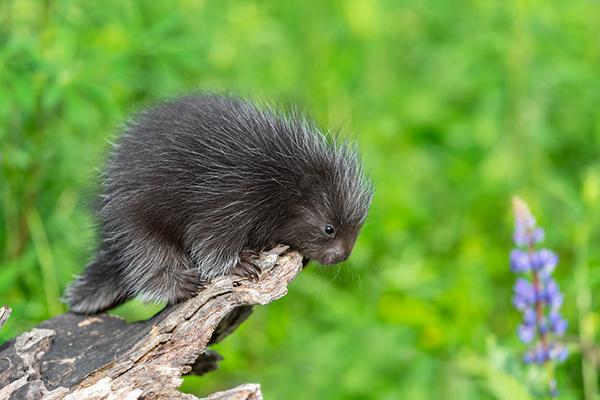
[537, 295]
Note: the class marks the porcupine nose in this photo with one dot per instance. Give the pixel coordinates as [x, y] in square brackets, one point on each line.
[339, 257]
[337, 254]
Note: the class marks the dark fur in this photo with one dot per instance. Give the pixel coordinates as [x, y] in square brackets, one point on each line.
[197, 185]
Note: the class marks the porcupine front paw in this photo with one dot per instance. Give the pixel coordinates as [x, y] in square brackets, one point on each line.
[246, 266]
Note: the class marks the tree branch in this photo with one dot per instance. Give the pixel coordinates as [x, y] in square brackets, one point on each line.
[103, 357]
[4, 314]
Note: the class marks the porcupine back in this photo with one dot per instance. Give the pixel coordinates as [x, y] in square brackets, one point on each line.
[194, 181]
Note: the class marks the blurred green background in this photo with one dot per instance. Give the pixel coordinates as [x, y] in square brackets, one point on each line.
[457, 105]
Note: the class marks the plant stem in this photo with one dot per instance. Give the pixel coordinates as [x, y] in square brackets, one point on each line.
[584, 309]
[46, 262]
[539, 315]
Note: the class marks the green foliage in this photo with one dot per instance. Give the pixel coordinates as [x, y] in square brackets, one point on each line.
[457, 106]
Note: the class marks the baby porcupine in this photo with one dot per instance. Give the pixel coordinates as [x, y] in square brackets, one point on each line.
[197, 185]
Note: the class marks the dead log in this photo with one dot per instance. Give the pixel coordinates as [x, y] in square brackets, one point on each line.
[103, 357]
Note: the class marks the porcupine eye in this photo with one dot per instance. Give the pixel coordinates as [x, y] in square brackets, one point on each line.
[328, 229]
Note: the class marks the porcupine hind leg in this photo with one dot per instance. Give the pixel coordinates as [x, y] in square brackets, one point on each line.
[158, 270]
[247, 266]
[173, 281]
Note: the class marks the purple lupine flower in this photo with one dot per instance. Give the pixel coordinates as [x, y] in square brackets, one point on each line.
[529, 316]
[526, 333]
[519, 261]
[537, 295]
[558, 324]
[524, 294]
[526, 231]
[543, 260]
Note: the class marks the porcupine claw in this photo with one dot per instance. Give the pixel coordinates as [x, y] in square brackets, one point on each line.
[247, 266]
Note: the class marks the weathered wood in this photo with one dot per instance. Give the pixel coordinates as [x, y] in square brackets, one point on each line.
[103, 357]
[4, 314]
[248, 391]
